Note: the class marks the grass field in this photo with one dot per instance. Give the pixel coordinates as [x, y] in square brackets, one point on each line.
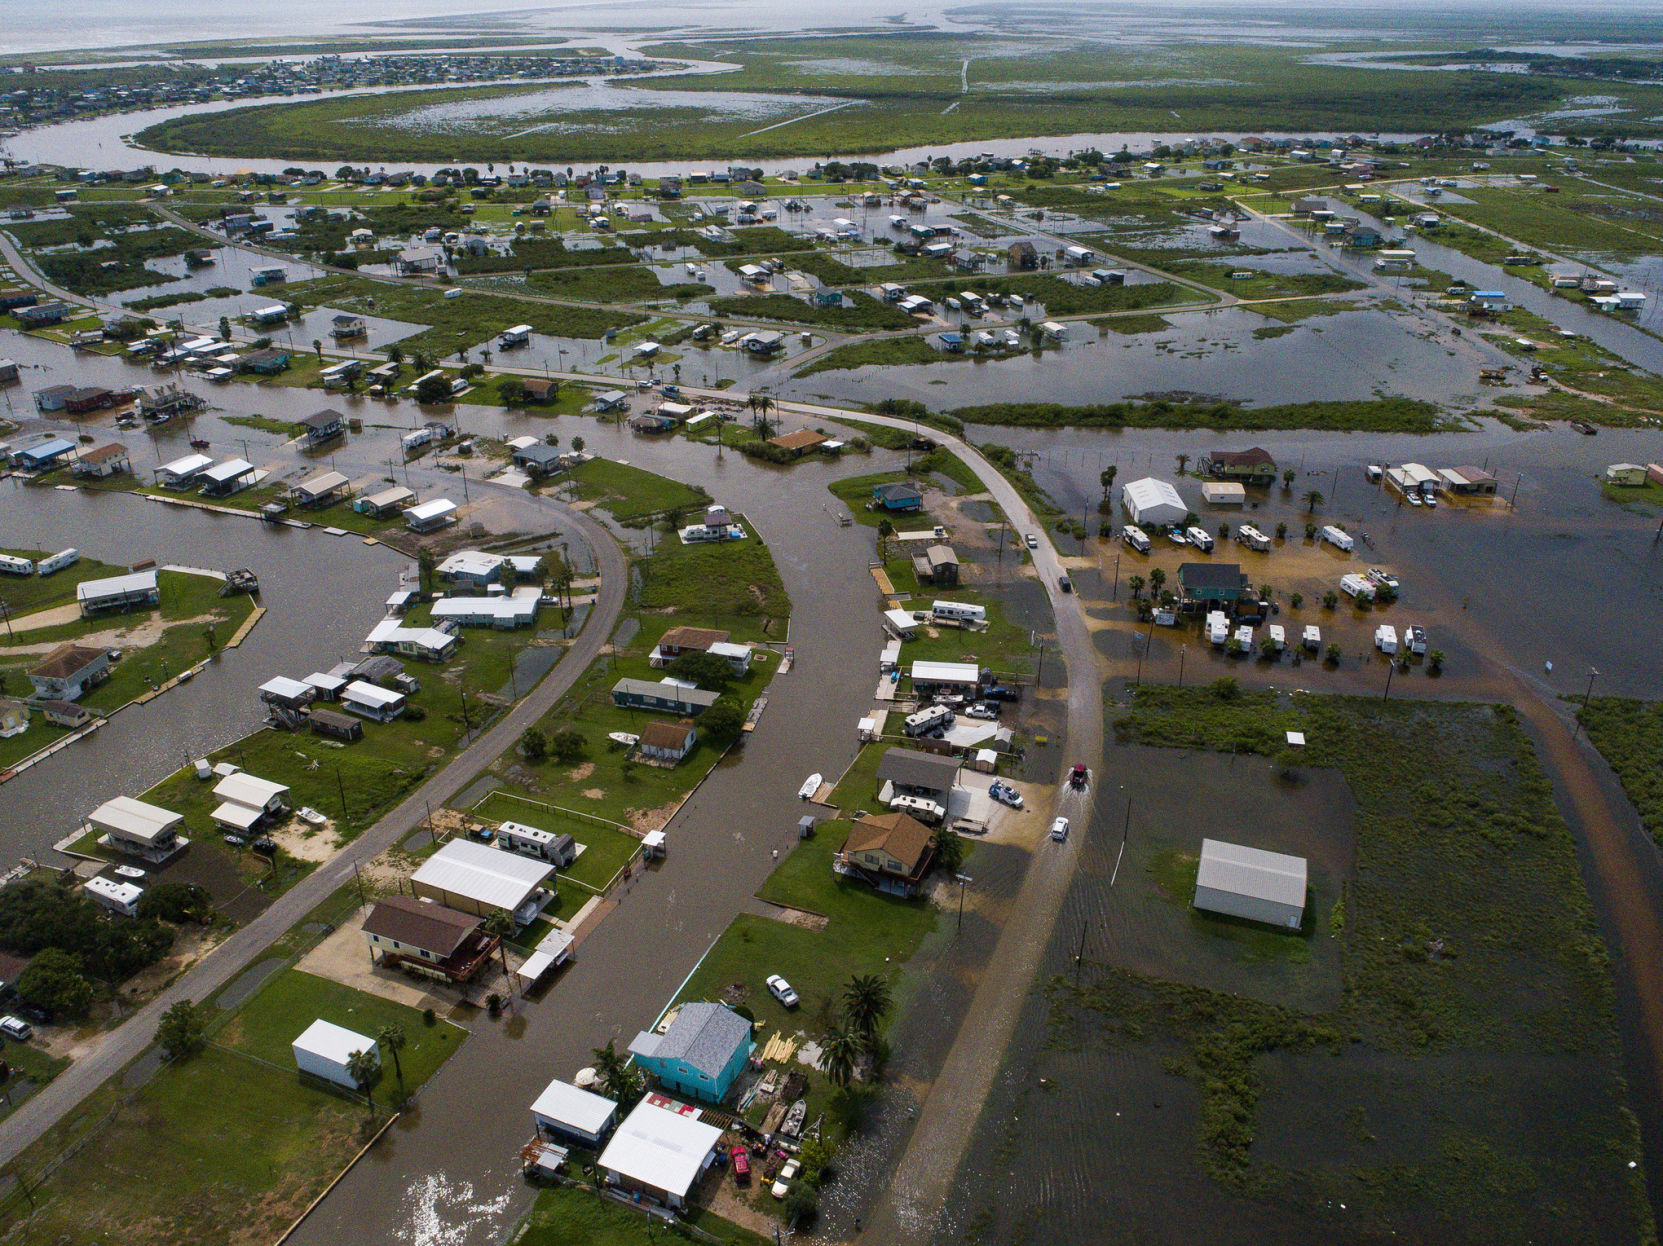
[1386, 415]
[630, 494]
[735, 582]
[572, 1216]
[1629, 735]
[230, 1145]
[606, 850]
[1470, 959]
[25, 594]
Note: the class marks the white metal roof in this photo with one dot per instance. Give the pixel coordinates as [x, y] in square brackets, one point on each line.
[1153, 499]
[660, 1148]
[238, 816]
[325, 682]
[495, 607]
[332, 1042]
[121, 893]
[470, 562]
[229, 470]
[187, 466]
[486, 875]
[323, 482]
[946, 672]
[370, 694]
[438, 508]
[247, 789]
[901, 619]
[392, 632]
[574, 1107]
[1271, 876]
[390, 497]
[133, 819]
[283, 686]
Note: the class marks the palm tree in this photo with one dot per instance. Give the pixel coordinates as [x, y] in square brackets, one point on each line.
[1157, 580]
[839, 1050]
[501, 925]
[1135, 583]
[393, 1038]
[361, 1067]
[1312, 500]
[1106, 479]
[886, 533]
[1183, 463]
[866, 1001]
[1288, 477]
[618, 1078]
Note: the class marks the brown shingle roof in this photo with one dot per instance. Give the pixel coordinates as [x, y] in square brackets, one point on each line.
[1254, 456]
[700, 638]
[902, 837]
[665, 735]
[114, 450]
[65, 660]
[421, 924]
[802, 439]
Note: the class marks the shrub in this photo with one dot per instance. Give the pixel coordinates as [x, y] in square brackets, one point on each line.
[53, 980]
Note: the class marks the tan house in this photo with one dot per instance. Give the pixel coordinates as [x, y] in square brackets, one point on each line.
[666, 741]
[798, 442]
[892, 852]
[14, 718]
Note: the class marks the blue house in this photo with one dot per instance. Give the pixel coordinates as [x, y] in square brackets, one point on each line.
[667, 696]
[827, 297]
[897, 497]
[701, 1053]
[42, 455]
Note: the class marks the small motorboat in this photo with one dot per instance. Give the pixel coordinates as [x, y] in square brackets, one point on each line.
[310, 815]
[199, 443]
[810, 786]
[624, 738]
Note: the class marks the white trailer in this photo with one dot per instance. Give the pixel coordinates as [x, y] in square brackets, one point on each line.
[1357, 586]
[1313, 637]
[1244, 636]
[926, 811]
[1415, 640]
[1338, 537]
[1385, 638]
[1251, 537]
[1278, 636]
[958, 612]
[57, 562]
[519, 335]
[1136, 537]
[926, 721]
[1218, 627]
[12, 565]
[416, 440]
[1200, 538]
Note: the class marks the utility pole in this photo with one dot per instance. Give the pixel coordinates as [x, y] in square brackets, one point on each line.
[1182, 650]
[1080, 956]
[1391, 667]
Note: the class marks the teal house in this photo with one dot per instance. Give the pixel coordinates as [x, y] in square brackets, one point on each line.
[700, 1055]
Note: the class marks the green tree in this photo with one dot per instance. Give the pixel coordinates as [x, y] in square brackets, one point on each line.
[1330, 599]
[176, 902]
[534, 745]
[1282, 531]
[866, 1002]
[1106, 479]
[317, 348]
[577, 445]
[1435, 662]
[393, 1038]
[568, 746]
[1310, 532]
[707, 670]
[1312, 500]
[839, 1050]
[1135, 583]
[54, 981]
[1288, 477]
[361, 1067]
[182, 1030]
[1183, 463]
[1334, 653]
[616, 1076]
[725, 719]
[433, 389]
[500, 926]
[425, 564]
[225, 328]
[1297, 600]
[1157, 581]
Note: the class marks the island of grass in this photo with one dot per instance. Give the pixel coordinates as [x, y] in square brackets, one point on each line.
[1458, 1079]
[1629, 735]
[632, 495]
[864, 312]
[1383, 415]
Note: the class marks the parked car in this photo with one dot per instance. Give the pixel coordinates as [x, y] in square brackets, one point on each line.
[781, 990]
[16, 1029]
[998, 692]
[1413, 499]
[1005, 794]
[1033, 541]
[982, 711]
[1079, 776]
[788, 1173]
[481, 834]
[1066, 584]
[741, 1165]
[1059, 829]
[265, 846]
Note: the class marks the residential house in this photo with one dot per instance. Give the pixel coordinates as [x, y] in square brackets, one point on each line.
[1022, 256]
[346, 326]
[897, 496]
[540, 389]
[937, 565]
[668, 695]
[321, 426]
[231, 476]
[1468, 480]
[539, 461]
[1211, 581]
[105, 460]
[659, 1153]
[566, 1114]
[323, 489]
[799, 442]
[474, 878]
[387, 502]
[681, 639]
[471, 568]
[419, 261]
[430, 516]
[138, 829]
[701, 1053]
[908, 772]
[667, 741]
[425, 937]
[892, 852]
[430, 644]
[66, 673]
[14, 718]
[52, 398]
[336, 726]
[267, 361]
[118, 592]
[499, 610]
[1251, 466]
[43, 455]
[368, 701]
[1629, 474]
[247, 802]
[182, 471]
[65, 713]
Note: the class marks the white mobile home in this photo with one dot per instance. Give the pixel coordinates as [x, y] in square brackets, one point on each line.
[1339, 538]
[960, 612]
[120, 898]
[1356, 586]
[1385, 639]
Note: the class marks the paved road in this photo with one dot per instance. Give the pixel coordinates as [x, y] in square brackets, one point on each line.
[126, 1042]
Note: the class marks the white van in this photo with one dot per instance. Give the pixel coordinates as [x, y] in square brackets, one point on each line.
[1385, 638]
[57, 562]
[1136, 537]
[1357, 586]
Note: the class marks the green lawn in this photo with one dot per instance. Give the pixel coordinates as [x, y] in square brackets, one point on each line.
[735, 583]
[221, 1147]
[631, 494]
[573, 1216]
[1629, 735]
[268, 1024]
[605, 849]
[25, 594]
